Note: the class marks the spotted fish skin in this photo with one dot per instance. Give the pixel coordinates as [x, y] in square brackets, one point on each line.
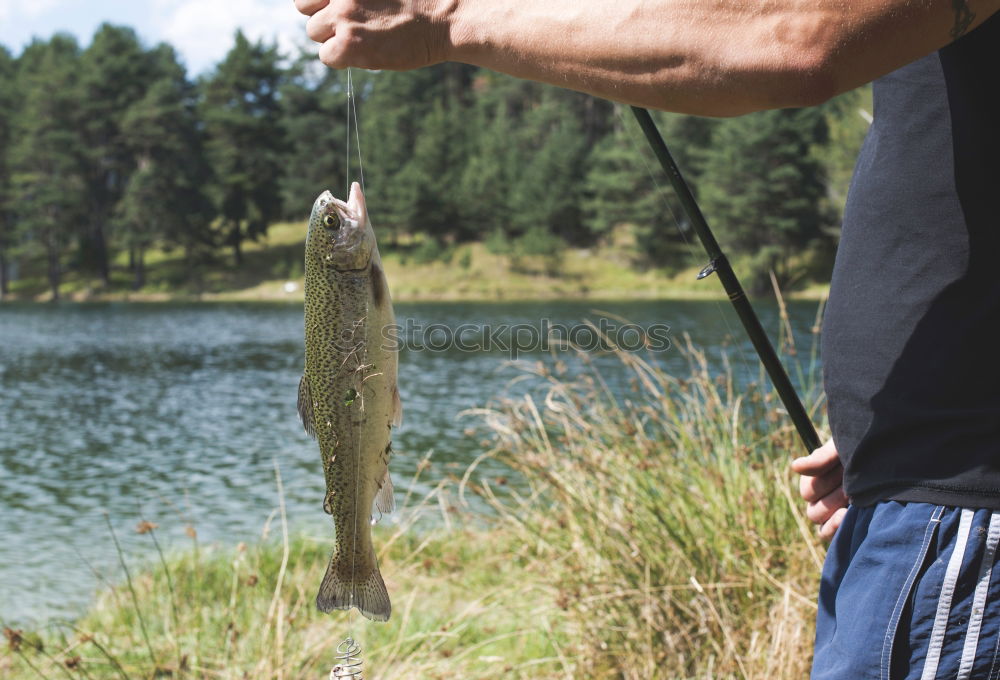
[348, 397]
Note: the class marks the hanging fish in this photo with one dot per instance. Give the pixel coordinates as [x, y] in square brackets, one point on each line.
[348, 397]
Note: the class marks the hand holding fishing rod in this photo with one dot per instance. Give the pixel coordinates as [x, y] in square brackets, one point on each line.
[822, 487]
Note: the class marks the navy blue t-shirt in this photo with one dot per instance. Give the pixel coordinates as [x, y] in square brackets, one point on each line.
[911, 337]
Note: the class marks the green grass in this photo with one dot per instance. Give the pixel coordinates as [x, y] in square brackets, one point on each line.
[465, 272]
[248, 612]
[657, 535]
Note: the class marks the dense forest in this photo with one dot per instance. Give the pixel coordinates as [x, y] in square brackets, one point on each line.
[113, 149]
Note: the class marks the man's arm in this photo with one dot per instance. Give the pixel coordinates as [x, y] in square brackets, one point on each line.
[709, 57]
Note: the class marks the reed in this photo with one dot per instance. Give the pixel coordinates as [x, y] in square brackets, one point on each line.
[666, 517]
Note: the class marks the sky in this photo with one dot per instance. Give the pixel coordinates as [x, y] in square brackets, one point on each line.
[201, 30]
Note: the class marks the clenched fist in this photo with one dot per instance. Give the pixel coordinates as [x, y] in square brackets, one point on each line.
[397, 35]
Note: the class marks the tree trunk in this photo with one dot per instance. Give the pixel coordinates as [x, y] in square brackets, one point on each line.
[100, 246]
[192, 268]
[139, 267]
[4, 275]
[236, 242]
[96, 245]
[54, 273]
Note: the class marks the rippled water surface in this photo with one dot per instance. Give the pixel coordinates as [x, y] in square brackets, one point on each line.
[179, 412]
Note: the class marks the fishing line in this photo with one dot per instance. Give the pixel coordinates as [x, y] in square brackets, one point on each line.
[692, 248]
[347, 145]
[352, 98]
[349, 651]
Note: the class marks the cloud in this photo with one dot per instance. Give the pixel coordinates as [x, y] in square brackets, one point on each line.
[39, 7]
[203, 31]
[14, 8]
[20, 20]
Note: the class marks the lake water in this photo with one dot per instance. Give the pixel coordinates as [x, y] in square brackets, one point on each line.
[178, 412]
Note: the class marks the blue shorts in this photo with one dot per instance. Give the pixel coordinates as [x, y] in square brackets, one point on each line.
[909, 590]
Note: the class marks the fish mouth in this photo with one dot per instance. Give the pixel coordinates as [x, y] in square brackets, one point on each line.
[344, 209]
[349, 208]
[342, 206]
[323, 200]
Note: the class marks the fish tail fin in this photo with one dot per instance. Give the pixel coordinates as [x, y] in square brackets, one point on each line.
[366, 590]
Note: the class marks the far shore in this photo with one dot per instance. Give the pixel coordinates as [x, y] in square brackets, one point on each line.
[468, 272]
[276, 292]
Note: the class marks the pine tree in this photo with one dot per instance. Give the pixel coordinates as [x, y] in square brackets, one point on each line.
[7, 111]
[619, 187]
[245, 140]
[114, 73]
[47, 156]
[490, 169]
[451, 151]
[764, 188]
[690, 138]
[625, 183]
[164, 200]
[547, 191]
[313, 118]
[430, 179]
[391, 112]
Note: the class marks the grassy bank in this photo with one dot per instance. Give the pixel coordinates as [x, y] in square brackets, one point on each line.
[659, 537]
[249, 613]
[417, 270]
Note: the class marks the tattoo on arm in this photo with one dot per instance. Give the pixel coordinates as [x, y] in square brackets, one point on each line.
[963, 18]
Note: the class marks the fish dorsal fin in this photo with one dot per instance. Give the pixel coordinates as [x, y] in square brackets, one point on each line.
[397, 407]
[306, 406]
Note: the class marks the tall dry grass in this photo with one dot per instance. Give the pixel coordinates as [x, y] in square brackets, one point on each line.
[666, 518]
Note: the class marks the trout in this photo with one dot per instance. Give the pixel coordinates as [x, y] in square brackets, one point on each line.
[348, 398]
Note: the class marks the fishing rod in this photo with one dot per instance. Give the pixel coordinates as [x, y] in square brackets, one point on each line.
[719, 264]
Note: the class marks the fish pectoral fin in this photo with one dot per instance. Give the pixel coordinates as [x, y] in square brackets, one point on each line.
[397, 407]
[385, 499]
[305, 406]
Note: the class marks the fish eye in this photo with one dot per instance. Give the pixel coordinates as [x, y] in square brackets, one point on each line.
[331, 222]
